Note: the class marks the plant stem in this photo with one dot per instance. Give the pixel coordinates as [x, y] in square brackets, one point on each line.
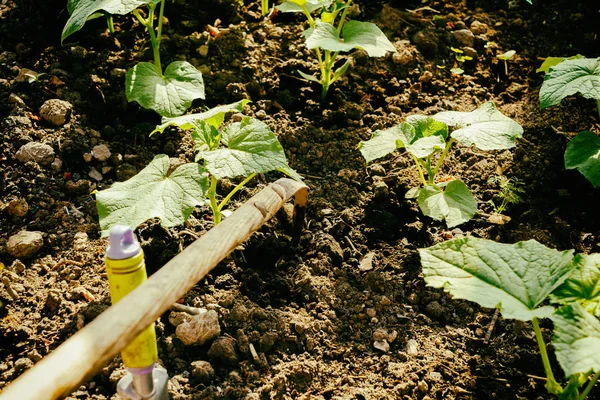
[598, 107]
[442, 157]
[149, 24]
[265, 7]
[589, 386]
[160, 20]
[343, 19]
[551, 385]
[326, 75]
[110, 23]
[505, 68]
[235, 189]
[416, 160]
[212, 196]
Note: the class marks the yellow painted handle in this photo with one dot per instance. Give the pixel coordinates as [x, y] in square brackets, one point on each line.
[124, 276]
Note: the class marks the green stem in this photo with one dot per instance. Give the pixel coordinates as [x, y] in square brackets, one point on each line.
[265, 7]
[589, 386]
[110, 23]
[442, 157]
[140, 18]
[598, 107]
[326, 75]
[235, 189]
[416, 160]
[212, 196]
[551, 385]
[343, 19]
[160, 20]
[505, 68]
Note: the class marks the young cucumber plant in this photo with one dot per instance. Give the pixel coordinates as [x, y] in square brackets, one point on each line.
[244, 148]
[170, 92]
[566, 77]
[424, 137]
[330, 35]
[520, 279]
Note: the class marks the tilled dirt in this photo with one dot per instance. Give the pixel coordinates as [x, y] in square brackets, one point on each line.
[318, 312]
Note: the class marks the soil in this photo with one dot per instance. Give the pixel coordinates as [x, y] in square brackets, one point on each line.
[313, 311]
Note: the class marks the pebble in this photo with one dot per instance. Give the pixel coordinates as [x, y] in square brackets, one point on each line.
[327, 244]
[376, 170]
[223, 350]
[380, 334]
[423, 387]
[479, 28]
[23, 364]
[16, 100]
[202, 372]
[56, 165]
[94, 174]
[101, 152]
[464, 37]
[381, 190]
[366, 263]
[267, 341]
[56, 112]
[382, 345]
[80, 240]
[25, 244]
[412, 347]
[199, 329]
[87, 157]
[435, 310]
[35, 151]
[17, 207]
[53, 300]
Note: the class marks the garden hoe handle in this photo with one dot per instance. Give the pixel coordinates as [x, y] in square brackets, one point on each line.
[126, 270]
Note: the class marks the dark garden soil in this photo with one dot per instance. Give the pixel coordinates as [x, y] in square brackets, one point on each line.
[314, 311]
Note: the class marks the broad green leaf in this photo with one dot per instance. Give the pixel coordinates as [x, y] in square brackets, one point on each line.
[153, 193]
[205, 137]
[569, 77]
[515, 278]
[251, 147]
[356, 35]
[308, 77]
[576, 340]
[455, 203]
[486, 127]
[582, 285]
[583, 154]
[171, 94]
[81, 10]
[421, 136]
[214, 117]
[296, 5]
[550, 62]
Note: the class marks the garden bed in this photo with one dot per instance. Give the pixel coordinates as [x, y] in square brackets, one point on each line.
[314, 310]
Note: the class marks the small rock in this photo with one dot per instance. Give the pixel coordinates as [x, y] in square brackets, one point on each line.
[412, 347]
[23, 364]
[479, 28]
[202, 372]
[87, 157]
[426, 42]
[327, 244]
[101, 152]
[464, 37]
[106, 170]
[79, 240]
[125, 171]
[498, 219]
[471, 52]
[177, 318]
[25, 244]
[94, 174]
[435, 376]
[371, 312]
[382, 345]
[423, 387]
[385, 301]
[17, 266]
[267, 341]
[56, 112]
[380, 334]
[261, 114]
[376, 170]
[435, 310]
[380, 189]
[56, 165]
[223, 349]
[366, 263]
[16, 100]
[35, 151]
[17, 207]
[200, 329]
[426, 77]
[34, 355]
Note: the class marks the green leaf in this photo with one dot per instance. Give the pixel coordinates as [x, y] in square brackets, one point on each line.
[455, 203]
[214, 117]
[153, 193]
[552, 61]
[81, 10]
[295, 5]
[171, 94]
[582, 285]
[420, 135]
[507, 56]
[583, 154]
[251, 147]
[486, 127]
[515, 278]
[576, 340]
[569, 77]
[308, 77]
[341, 71]
[356, 35]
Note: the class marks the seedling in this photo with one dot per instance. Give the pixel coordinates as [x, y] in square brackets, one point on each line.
[510, 192]
[519, 280]
[424, 137]
[565, 77]
[459, 58]
[244, 148]
[505, 57]
[328, 38]
[170, 93]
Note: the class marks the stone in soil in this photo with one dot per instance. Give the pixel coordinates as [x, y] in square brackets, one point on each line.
[101, 152]
[223, 350]
[199, 329]
[17, 207]
[35, 151]
[56, 112]
[463, 38]
[202, 372]
[25, 244]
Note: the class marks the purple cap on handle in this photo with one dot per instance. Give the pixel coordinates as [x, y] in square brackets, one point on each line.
[122, 243]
